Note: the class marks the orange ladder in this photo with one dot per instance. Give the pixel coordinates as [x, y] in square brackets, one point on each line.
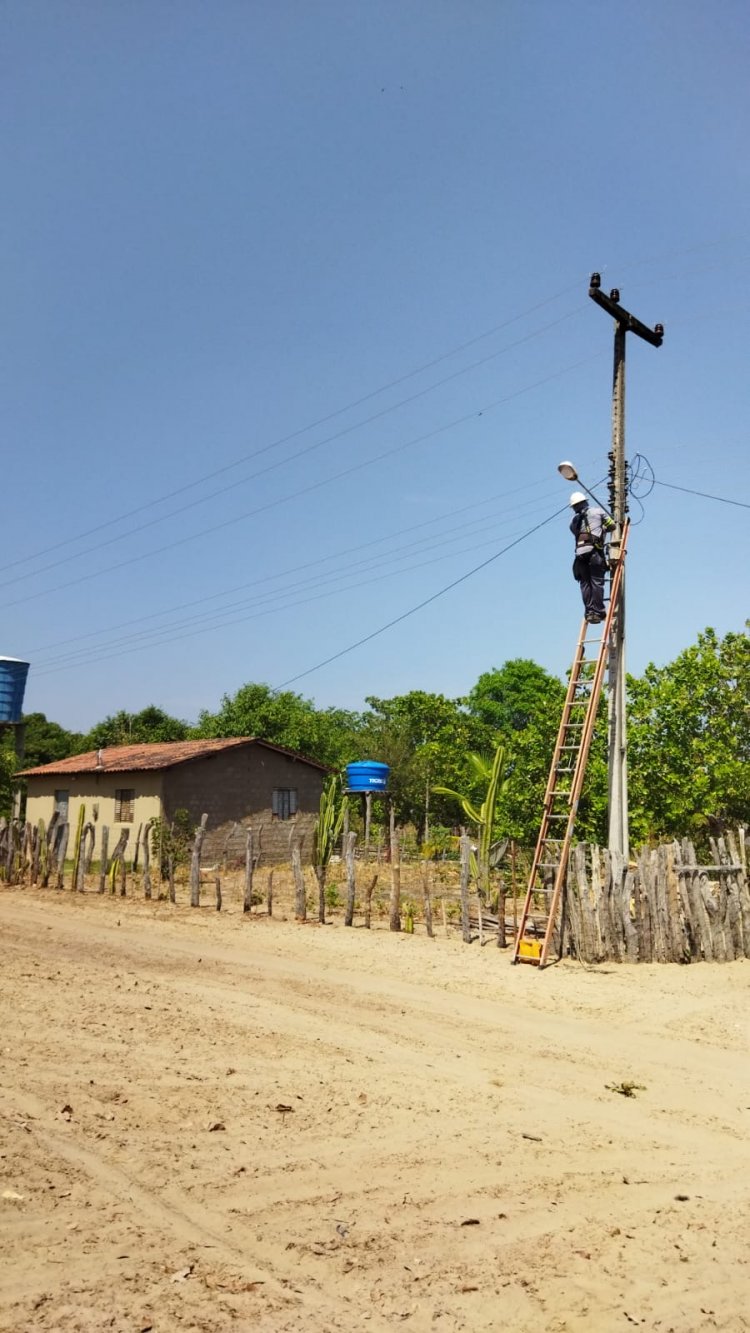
[565, 782]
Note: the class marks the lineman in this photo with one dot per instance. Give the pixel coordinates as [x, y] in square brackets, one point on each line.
[589, 526]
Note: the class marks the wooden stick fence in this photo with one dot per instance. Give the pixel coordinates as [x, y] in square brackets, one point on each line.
[667, 906]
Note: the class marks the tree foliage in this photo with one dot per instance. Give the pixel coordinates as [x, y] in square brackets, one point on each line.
[519, 704]
[46, 741]
[689, 739]
[424, 738]
[284, 718]
[150, 725]
[510, 698]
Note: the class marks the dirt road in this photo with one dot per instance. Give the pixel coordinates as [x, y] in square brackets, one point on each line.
[212, 1123]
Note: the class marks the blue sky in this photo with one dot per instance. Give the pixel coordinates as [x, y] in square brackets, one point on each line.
[224, 223]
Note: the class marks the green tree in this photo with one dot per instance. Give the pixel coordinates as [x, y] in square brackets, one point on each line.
[521, 704]
[511, 697]
[284, 718]
[689, 740]
[151, 724]
[424, 738]
[46, 741]
[8, 766]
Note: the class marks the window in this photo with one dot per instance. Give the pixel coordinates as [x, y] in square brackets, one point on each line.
[61, 805]
[124, 805]
[284, 802]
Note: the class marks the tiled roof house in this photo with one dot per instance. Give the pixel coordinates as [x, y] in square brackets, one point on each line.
[239, 781]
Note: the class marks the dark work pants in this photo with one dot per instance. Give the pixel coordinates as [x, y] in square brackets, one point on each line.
[589, 570]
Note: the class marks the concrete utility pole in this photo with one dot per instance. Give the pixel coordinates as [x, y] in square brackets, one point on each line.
[619, 837]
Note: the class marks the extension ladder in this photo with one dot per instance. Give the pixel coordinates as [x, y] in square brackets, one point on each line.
[565, 782]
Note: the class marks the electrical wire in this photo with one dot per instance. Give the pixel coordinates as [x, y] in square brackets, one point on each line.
[310, 489]
[358, 402]
[338, 555]
[704, 495]
[640, 485]
[216, 619]
[291, 458]
[397, 620]
[161, 638]
[642, 477]
[302, 430]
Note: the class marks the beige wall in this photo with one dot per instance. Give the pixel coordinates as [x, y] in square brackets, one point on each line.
[233, 787]
[97, 790]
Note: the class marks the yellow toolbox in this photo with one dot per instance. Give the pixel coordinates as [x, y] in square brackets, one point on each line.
[530, 949]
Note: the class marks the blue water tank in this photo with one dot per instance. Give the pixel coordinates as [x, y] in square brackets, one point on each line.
[367, 776]
[12, 685]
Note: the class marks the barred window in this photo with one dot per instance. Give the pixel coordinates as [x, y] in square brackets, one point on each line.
[284, 802]
[124, 805]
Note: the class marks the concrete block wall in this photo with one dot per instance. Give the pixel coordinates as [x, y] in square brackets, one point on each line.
[235, 787]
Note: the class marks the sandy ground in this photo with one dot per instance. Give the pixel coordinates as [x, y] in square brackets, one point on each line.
[211, 1122]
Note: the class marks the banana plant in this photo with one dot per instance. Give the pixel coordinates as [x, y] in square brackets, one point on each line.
[326, 835]
[490, 772]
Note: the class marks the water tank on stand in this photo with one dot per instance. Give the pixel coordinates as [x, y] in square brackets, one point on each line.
[13, 675]
[367, 776]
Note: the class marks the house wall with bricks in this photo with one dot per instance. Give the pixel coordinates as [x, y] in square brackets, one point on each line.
[235, 788]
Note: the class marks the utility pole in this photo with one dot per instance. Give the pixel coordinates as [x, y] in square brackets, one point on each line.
[619, 837]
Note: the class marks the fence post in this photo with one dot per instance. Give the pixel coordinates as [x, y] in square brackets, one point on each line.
[62, 849]
[247, 901]
[195, 864]
[300, 895]
[465, 874]
[351, 877]
[147, 860]
[395, 912]
[427, 899]
[103, 858]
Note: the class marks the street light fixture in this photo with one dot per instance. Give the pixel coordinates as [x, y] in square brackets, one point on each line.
[568, 471]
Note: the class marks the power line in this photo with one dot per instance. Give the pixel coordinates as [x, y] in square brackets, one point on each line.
[722, 499]
[397, 620]
[302, 430]
[331, 416]
[312, 487]
[216, 619]
[291, 458]
[339, 555]
[166, 634]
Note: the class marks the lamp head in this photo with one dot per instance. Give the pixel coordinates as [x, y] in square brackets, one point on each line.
[567, 471]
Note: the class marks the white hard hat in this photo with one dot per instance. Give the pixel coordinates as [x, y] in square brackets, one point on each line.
[576, 498]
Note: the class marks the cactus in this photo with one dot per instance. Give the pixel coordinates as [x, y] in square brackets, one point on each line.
[326, 836]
